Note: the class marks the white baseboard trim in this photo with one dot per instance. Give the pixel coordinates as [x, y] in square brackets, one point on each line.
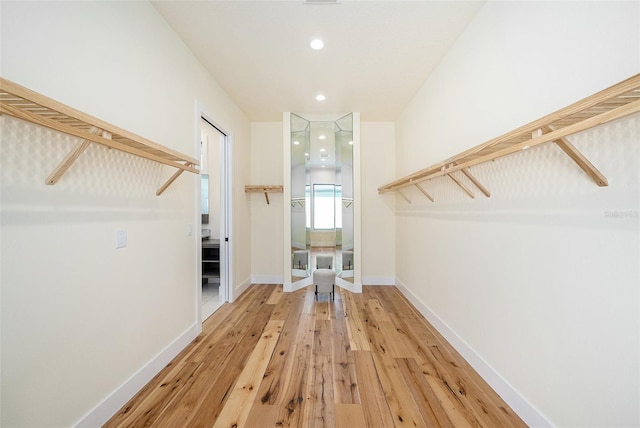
[267, 279]
[289, 287]
[118, 398]
[240, 289]
[299, 245]
[353, 287]
[323, 244]
[378, 280]
[529, 414]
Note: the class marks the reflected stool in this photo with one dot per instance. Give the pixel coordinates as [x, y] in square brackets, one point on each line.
[347, 260]
[300, 259]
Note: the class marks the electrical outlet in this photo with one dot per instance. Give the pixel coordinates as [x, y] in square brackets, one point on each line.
[121, 238]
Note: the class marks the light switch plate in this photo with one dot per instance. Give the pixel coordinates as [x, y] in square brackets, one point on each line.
[121, 238]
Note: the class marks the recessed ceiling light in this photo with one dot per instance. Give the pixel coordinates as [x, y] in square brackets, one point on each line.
[323, 159]
[323, 166]
[306, 154]
[296, 142]
[323, 150]
[321, 137]
[351, 143]
[320, 97]
[316, 44]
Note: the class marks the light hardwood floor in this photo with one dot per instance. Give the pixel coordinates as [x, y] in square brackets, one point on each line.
[274, 359]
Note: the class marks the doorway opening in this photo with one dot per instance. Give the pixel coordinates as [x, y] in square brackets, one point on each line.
[214, 216]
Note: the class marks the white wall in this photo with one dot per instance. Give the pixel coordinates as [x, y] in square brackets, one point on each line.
[83, 324]
[377, 156]
[267, 243]
[538, 285]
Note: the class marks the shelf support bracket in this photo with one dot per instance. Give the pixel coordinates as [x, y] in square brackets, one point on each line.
[403, 196]
[475, 181]
[172, 179]
[580, 160]
[462, 186]
[73, 155]
[424, 192]
[266, 190]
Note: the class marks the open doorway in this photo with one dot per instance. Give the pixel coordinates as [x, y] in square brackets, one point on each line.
[213, 210]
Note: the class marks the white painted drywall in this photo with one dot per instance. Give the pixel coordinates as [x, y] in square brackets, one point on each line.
[539, 282]
[267, 242]
[377, 152]
[82, 321]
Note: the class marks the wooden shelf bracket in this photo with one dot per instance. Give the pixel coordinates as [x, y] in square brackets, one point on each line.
[171, 180]
[475, 181]
[424, 192]
[25, 104]
[581, 160]
[70, 159]
[461, 185]
[615, 102]
[264, 189]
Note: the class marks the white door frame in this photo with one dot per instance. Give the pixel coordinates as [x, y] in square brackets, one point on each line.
[226, 209]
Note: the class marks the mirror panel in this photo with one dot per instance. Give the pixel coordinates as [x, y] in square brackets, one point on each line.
[344, 180]
[300, 239]
[204, 197]
[321, 195]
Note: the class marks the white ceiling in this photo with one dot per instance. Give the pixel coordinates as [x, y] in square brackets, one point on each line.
[377, 54]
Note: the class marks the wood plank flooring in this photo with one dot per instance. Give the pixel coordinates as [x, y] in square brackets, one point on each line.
[274, 359]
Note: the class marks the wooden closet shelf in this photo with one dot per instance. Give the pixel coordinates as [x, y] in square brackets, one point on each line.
[266, 189]
[617, 101]
[30, 106]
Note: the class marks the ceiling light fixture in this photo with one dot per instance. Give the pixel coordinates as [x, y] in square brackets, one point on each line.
[322, 137]
[296, 142]
[320, 97]
[316, 44]
[323, 150]
[351, 143]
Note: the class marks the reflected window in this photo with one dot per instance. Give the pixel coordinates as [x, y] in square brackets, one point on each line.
[204, 198]
[338, 207]
[324, 206]
[307, 205]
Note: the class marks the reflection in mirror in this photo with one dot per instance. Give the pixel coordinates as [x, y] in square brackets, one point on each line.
[344, 196]
[321, 195]
[204, 197]
[300, 245]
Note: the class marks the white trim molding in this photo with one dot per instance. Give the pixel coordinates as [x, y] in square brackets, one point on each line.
[237, 292]
[267, 279]
[523, 408]
[378, 280]
[114, 402]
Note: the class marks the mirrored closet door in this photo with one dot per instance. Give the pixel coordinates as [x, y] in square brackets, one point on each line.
[321, 197]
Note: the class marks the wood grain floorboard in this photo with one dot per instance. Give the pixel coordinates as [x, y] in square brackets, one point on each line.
[274, 359]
